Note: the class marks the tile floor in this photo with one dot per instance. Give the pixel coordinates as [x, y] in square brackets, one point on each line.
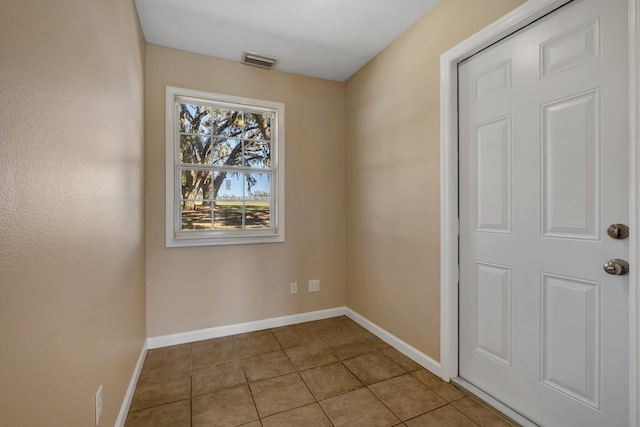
[330, 372]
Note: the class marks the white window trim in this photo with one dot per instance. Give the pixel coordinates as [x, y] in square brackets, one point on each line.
[276, 234]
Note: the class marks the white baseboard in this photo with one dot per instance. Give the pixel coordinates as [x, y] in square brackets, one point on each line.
[240, 328]
[404, 348]
[128, 397]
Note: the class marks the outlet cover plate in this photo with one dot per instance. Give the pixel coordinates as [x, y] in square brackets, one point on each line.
[314, 285]
[293, 288]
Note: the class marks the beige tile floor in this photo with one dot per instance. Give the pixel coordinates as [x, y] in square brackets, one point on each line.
[330, 372]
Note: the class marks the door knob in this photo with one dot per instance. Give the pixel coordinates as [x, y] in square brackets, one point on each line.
[616, 267]
[618, 231]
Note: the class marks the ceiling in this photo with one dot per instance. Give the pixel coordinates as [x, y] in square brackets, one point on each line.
[329, 39]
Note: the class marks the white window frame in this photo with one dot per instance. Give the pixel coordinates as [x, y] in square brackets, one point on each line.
[177, 238]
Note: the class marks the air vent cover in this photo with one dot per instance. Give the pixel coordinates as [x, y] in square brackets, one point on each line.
[258, 60]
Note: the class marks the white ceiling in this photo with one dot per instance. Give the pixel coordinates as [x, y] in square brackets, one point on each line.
[329, 39]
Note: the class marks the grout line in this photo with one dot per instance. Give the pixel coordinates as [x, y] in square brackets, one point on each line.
[253, 399]
[325, 413]
[465, 415]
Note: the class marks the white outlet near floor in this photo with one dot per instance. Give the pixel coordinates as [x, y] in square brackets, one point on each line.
[314, 285]
[293, 288]
[98, 404]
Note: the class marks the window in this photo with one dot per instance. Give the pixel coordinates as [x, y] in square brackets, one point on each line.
[225, 169]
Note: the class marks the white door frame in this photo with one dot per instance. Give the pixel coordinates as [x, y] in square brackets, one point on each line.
[514, 21]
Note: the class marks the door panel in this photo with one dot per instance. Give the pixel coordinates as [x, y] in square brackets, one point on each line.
[492, 169]
[570, 131]
[571, 337]
[543, 173]
[571, 49]
[493, 311]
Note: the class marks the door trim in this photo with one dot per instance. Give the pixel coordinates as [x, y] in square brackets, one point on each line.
[510, 23]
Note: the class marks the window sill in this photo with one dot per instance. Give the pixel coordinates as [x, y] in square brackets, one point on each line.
[218, 241]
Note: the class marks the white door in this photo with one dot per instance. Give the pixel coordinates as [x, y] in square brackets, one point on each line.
[543, 173]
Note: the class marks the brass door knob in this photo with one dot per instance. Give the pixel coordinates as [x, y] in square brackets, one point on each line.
[616, 267]
[618, 231]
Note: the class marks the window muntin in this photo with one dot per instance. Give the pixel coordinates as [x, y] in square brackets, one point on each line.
[227, 167]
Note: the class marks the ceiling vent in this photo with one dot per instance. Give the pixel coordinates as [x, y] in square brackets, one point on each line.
[258, 60]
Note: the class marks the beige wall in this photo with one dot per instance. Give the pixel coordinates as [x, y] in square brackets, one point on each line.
[393, 175]
[202, 287]
[72, 310]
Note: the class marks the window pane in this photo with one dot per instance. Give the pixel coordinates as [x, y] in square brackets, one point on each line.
[196, 184]
[195, 149]
[227, 122]
[226, 152]
[258, 200]
[257, 126]
[229, 186]
[197, 187]
[195, 118]
[257, 154]
[258, 214]
[196, 215]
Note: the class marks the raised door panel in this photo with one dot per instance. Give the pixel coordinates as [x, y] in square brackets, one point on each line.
[571, 49]
[492, 82]
[570, 167]
[493, 311]
[492, 199]
[571, 337]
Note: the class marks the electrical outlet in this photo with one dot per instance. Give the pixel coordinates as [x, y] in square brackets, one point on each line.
[98, 404]
[293, 288]
[314, 285]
